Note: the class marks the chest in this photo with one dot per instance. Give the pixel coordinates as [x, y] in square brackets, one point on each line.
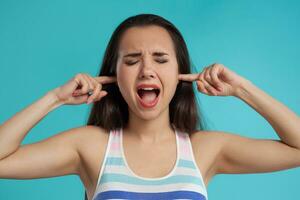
[150, 161]
[145, 160]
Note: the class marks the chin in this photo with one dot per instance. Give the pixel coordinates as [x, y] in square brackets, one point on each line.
[148, 115]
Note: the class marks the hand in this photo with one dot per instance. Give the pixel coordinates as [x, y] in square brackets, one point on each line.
[215, 80]
[75, 91]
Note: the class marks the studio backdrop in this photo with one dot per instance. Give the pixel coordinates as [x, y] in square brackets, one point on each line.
[45, 43]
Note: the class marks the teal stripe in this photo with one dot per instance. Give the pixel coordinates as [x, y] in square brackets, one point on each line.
[120, 162]
[115, 161]
[116, 177]
[186, 163]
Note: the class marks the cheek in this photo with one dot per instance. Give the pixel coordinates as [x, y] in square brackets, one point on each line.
[125, 80]
[123, 70]
[123, 84]
[170, 75]
[170, 82]
[172, 87]
[122, 75]
[171, 69]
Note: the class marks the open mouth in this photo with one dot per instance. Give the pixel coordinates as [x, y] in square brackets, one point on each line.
[141, 92]
[148, 97]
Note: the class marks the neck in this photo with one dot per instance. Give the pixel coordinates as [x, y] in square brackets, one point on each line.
[150, 131]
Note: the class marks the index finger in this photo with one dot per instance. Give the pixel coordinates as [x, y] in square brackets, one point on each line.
[106, 79]
[188, 77]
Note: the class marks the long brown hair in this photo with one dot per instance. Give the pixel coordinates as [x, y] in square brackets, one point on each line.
[111, 112]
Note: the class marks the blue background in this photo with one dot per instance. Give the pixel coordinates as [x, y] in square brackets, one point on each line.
[45, 43]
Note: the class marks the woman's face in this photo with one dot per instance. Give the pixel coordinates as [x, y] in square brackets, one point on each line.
[147, 56]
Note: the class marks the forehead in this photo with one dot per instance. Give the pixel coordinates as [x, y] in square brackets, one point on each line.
[146, 39]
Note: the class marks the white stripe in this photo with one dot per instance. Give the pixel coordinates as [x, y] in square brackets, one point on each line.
[123, 170]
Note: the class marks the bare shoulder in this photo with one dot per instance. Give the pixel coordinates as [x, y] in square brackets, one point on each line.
[90, 135]
[208, 139]
[207, 146]
[85, 137]
[204, 135]
[91, 141]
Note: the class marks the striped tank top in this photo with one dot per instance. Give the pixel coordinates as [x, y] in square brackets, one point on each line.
[117, 181]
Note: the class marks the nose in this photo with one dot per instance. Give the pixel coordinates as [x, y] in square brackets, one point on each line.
[146, 69]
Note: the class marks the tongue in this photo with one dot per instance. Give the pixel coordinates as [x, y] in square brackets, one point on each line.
[148, 97]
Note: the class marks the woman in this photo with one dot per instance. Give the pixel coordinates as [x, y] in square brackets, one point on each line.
[144, 138]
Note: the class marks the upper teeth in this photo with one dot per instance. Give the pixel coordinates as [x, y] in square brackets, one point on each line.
[148, 88]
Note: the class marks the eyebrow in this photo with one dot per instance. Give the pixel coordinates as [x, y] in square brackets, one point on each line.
[157, 53]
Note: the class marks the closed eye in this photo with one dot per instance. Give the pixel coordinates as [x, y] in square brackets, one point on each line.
[161, 61]
[130, 62]
[157, 60]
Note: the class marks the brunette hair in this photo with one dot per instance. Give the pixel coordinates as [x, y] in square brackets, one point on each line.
[111, 112]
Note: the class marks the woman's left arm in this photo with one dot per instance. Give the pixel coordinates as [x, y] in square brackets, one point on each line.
[285, 122]
[240, 154]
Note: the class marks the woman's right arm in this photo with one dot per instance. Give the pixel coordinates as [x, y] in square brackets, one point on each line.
[56, 155]
[14, 130]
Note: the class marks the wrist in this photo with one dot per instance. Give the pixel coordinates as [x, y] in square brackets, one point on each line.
[53, 99]
[244, 89]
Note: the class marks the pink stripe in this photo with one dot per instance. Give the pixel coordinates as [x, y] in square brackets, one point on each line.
[185, 150]
[180, 135]
[184, 145]
[115, 146]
